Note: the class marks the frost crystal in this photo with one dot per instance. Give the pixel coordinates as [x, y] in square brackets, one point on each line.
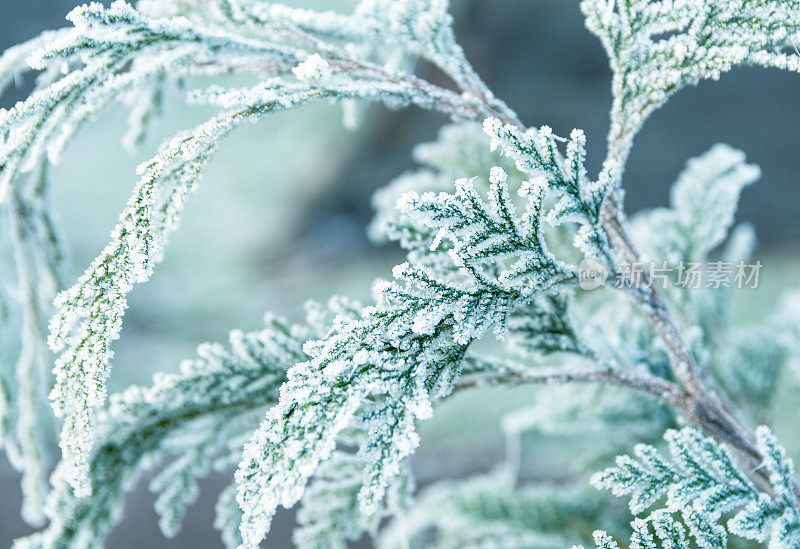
[312, 70]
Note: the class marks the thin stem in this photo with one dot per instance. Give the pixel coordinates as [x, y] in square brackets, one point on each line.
[508, 372]
[474, 106]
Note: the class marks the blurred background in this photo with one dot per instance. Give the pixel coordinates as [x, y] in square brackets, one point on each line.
[280, 216]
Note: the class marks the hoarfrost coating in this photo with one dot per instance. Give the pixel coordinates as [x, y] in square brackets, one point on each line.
[340, 396]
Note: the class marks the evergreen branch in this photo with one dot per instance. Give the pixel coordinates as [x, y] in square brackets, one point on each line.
[348, 408]
[702, 482]
[90, 313]
[192, 414]
[384, 367]
[13, 61]
[702, 40]
[102, 41]
[417, 27]
[655, 48]
[105, 39]
[708, 407]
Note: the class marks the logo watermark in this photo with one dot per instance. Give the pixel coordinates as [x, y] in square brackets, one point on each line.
[591, 274]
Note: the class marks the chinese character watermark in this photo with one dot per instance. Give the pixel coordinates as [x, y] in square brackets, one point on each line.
[688, 275]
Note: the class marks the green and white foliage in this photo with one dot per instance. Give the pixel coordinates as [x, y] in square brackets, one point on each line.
[535, 153]
[657, 47]
[384, 368]
[112, 50]
[748, 360]
[701, 482]
[489, 511]
[184, 423]
[492, 224]
[703, 202]
[460, 151]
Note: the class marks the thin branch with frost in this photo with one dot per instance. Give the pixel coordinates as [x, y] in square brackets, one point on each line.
[94, 306]
[507, 373]
[90, 313]
[385, 367]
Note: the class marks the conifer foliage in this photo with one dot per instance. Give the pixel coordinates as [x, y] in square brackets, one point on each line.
[494, 226]
[702, 482]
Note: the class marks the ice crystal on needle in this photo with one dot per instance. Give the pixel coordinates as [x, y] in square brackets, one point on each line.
[312, 70]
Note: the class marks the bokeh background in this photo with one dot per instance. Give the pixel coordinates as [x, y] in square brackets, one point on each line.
[280, 216]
